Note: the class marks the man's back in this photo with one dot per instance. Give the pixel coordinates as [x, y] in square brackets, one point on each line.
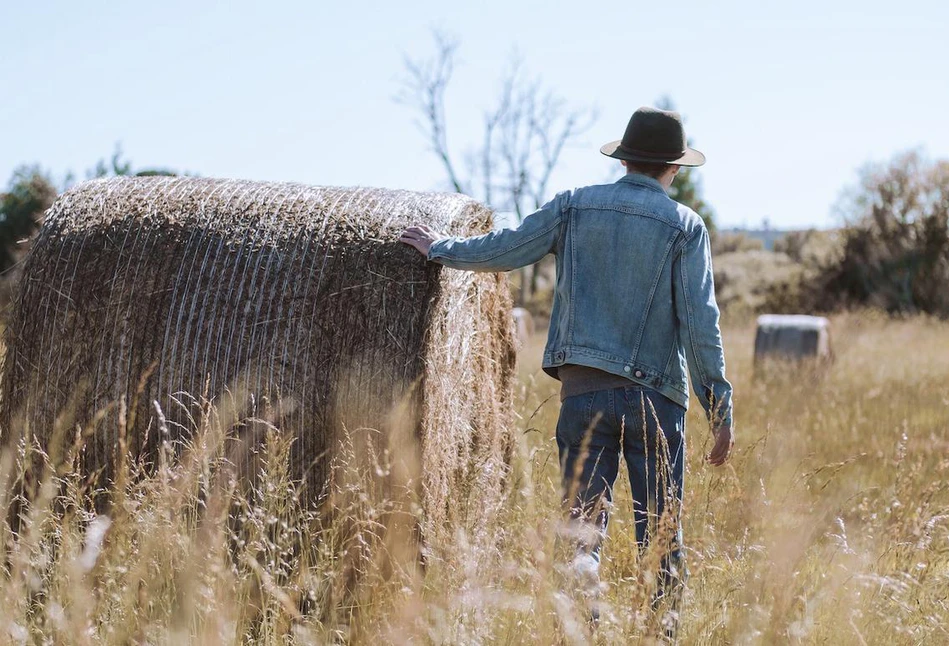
[621, 247]
[634, 296]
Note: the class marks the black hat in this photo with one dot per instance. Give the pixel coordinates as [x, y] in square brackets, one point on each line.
[656, 136]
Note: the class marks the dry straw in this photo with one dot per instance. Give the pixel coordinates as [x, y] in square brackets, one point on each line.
[286, 305]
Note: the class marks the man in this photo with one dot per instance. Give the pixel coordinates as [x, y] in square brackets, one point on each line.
[634, 304]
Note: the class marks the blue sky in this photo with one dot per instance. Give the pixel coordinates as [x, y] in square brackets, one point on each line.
[787, 100]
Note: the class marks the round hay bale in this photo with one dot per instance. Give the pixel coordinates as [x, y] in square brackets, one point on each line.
[792, 336]
[296, 304]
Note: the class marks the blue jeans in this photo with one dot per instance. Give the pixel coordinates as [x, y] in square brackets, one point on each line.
[649, 430]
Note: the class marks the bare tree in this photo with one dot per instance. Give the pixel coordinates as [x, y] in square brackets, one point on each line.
[524, 135]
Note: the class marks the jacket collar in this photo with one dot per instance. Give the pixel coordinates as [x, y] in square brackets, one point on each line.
[643, 180]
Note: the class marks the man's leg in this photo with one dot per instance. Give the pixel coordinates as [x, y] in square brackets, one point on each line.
[654, 448]
[588, 440]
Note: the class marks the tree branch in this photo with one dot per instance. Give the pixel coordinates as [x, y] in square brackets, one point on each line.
[424, 89]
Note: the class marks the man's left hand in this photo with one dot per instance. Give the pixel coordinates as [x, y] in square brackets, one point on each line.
[420, 237]
[724, 440]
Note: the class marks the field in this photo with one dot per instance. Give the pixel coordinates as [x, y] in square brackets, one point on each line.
[830, 524]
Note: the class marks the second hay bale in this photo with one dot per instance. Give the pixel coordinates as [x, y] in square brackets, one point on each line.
[792, 337]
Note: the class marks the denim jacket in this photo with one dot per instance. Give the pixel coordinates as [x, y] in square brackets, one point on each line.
[635, 294]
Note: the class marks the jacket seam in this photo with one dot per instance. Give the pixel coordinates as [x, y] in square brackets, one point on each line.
[686, 239]
[649, 300]
[689, 318]
[636, 211]
[573, 281]
[665, 381]
[577, 351]
[672, 353]
[562, 249]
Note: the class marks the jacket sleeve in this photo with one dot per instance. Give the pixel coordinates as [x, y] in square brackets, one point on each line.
[699, 332]
[505, 249]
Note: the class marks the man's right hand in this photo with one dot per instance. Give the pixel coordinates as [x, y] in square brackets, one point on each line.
[420, 237]
[723, 446]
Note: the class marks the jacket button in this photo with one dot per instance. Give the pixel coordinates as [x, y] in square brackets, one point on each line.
[560, 356]
[626, 368]
[639, 374]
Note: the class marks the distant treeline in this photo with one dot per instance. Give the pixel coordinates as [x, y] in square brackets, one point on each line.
[891, 252]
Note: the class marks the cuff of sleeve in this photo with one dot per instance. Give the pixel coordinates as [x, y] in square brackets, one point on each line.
[434, 250]
[719, 411]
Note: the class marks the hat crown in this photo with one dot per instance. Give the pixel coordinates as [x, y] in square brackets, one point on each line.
[654, 136]
[655, 133]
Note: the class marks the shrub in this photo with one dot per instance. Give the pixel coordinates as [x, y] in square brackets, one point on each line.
[28, 195]
[895, 252]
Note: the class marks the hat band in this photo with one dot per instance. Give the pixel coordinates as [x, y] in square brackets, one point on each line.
[651, 154]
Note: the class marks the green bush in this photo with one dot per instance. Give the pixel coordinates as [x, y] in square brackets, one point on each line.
[29, 194]
[895, 252]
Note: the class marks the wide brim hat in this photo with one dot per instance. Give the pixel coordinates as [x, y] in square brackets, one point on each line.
[654, 136]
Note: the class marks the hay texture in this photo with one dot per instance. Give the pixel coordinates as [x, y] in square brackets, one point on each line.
[298, 303]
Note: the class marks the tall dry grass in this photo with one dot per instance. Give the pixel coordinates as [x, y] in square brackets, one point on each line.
[829, 524]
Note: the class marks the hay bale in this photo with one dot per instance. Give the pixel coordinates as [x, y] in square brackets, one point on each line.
[297, 301]
[792, 336]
